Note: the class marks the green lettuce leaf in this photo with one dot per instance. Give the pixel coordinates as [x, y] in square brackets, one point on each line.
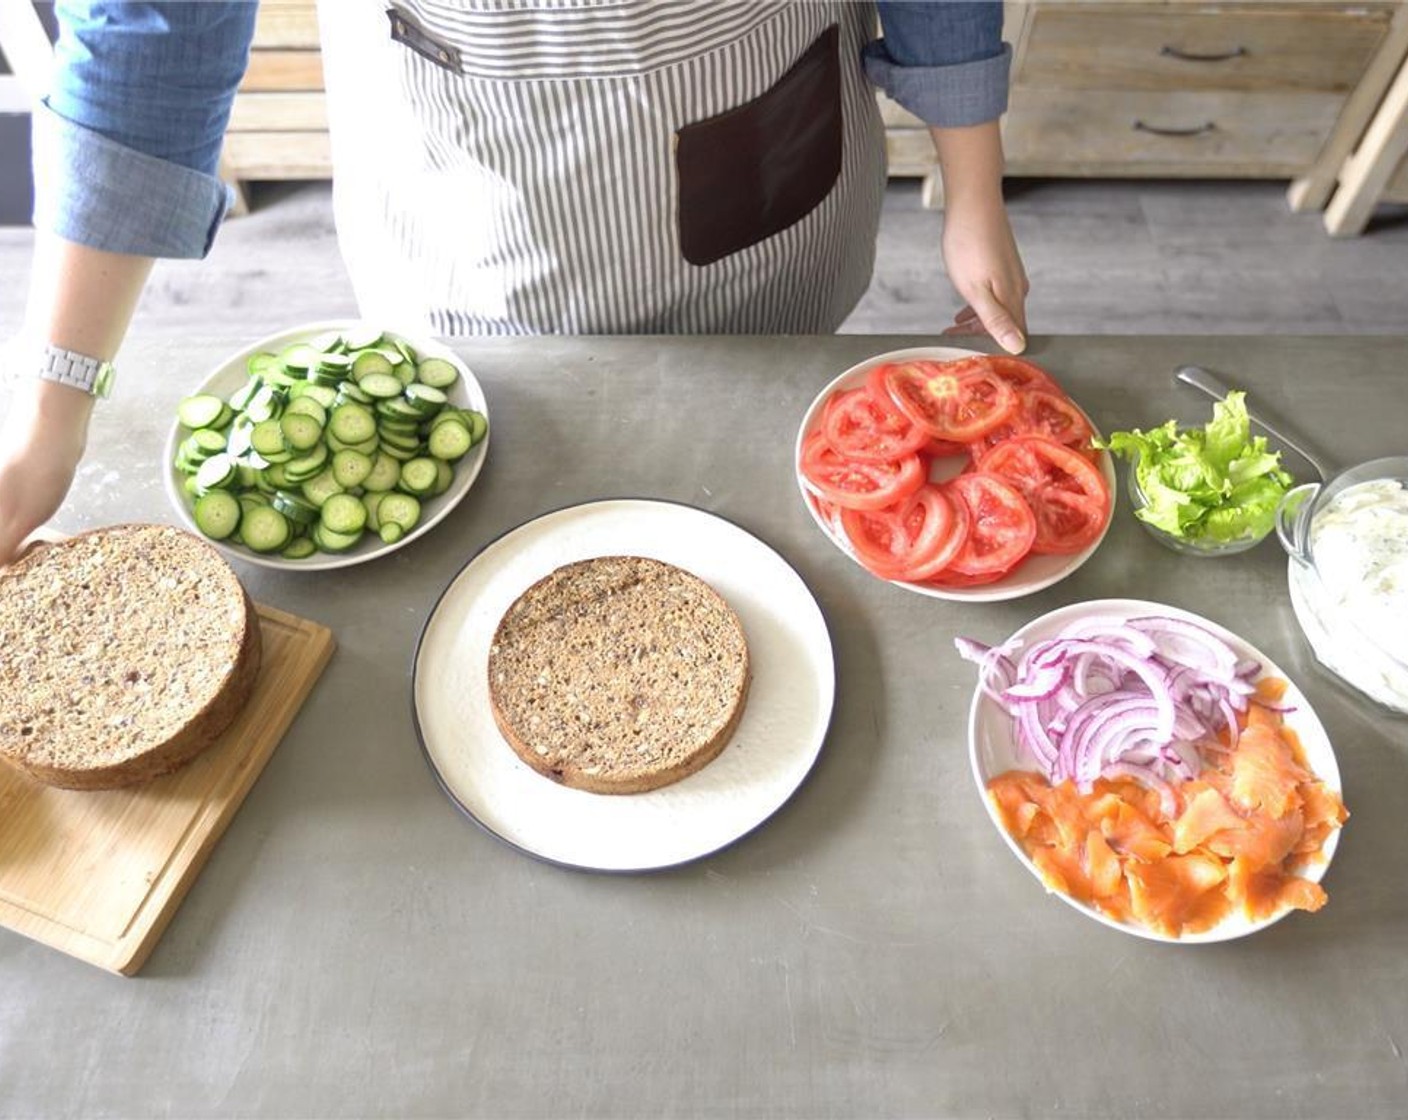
[1214, 483]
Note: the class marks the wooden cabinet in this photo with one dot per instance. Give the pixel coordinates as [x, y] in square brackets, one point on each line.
[278, 124]
[1178, 89]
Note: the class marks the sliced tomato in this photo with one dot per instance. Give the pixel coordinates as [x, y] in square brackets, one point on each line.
[1021, 374]
[862, 426]
[944, 449]
[951, 578]
[949, 405]
[1001, 525]
[830, 514]
[1066, 492]
[1050, 415]
[910, 541]
[855, 485]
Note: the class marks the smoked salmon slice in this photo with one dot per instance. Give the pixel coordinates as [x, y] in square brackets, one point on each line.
[1245, 825]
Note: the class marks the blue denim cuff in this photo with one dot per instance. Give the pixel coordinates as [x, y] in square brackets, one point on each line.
[966, 93]
[96, 192]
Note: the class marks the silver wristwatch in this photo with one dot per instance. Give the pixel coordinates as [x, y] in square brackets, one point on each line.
[78, 371]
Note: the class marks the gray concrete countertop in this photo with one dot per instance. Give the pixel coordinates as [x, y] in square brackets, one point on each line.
[355, 946]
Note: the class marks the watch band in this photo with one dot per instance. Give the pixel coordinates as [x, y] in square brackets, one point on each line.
[78, 371]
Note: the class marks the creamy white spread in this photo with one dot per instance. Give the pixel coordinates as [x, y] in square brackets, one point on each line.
[1359, 588]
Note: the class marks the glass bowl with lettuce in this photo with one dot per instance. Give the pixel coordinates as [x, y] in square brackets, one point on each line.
[1204, 491]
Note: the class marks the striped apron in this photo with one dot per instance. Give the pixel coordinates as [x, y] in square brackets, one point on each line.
[603, 166]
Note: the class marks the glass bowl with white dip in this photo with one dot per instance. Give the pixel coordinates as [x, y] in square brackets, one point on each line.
[1348, 571]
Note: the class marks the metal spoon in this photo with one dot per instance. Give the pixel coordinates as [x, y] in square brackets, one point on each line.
[1212, 385]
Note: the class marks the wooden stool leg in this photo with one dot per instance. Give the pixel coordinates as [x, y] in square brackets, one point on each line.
[1313, 189]
[1368, 171]
[931, 193]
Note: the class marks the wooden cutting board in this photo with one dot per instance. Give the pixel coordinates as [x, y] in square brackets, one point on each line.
[99, 874]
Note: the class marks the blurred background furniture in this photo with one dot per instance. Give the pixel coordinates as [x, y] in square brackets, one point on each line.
[1310, 91]
[1377, 171]
[279, 125]
[1183, 89]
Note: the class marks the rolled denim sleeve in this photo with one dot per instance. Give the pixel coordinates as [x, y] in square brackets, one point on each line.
[944, 62]
[127, 144]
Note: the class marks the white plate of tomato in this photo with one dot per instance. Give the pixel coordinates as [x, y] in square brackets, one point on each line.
[955, 474]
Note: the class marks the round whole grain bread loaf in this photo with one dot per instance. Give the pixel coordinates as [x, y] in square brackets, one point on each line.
[618, 674]
[124, 652]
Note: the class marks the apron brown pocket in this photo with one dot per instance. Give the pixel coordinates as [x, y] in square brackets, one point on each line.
[757, 169]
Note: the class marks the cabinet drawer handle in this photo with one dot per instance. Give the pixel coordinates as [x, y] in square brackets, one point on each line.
[1194, 56]
[1197, 130]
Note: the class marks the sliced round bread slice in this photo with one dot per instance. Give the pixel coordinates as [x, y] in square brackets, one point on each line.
[618, 674]
[124, 652]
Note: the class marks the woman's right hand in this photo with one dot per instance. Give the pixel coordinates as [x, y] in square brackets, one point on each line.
[41, 445]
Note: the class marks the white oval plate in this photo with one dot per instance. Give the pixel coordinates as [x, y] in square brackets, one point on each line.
[993, 749]
[778, 739]
[230, 375]
[1032, 575]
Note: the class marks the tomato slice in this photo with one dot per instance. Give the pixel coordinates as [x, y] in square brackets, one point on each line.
[951, 578]
[1066, 492]
[944, 449]
[910, 541]
[856, 485]
[1021, 374]
[862, 426]
[830, 514]
[957, 406]
[1039, 412]
[1001, 526]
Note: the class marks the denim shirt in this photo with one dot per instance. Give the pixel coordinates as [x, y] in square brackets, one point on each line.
[128, 140]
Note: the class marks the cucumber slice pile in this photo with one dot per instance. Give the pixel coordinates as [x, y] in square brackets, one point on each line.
[329, 439]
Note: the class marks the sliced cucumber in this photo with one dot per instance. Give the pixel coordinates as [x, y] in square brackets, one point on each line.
[450, 442]
[200, 411]
[209, 441]
[296, 509]
[300, 548]
[215, 473]
[399, 509]
[370, 502]
[362, 337]
[267, 437]
[478, 424]
[381, 385]
[437, 373]
[342, 513]
[418, 476]
[324, 440]
[298, 358]
[369, 362]
[351, 468]
[217, 514]
[352, 423]
[386, 471]
[329, 540]
[306, 466]
[321, 487]
[444, 475]
[307, 406]
[261, 365]
[265, 529]
[301, 431]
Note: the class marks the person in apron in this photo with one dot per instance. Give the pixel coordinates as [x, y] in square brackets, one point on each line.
[507, 167]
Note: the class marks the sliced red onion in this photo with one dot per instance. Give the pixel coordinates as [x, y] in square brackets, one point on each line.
[1188, 643]
[1108, 697]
